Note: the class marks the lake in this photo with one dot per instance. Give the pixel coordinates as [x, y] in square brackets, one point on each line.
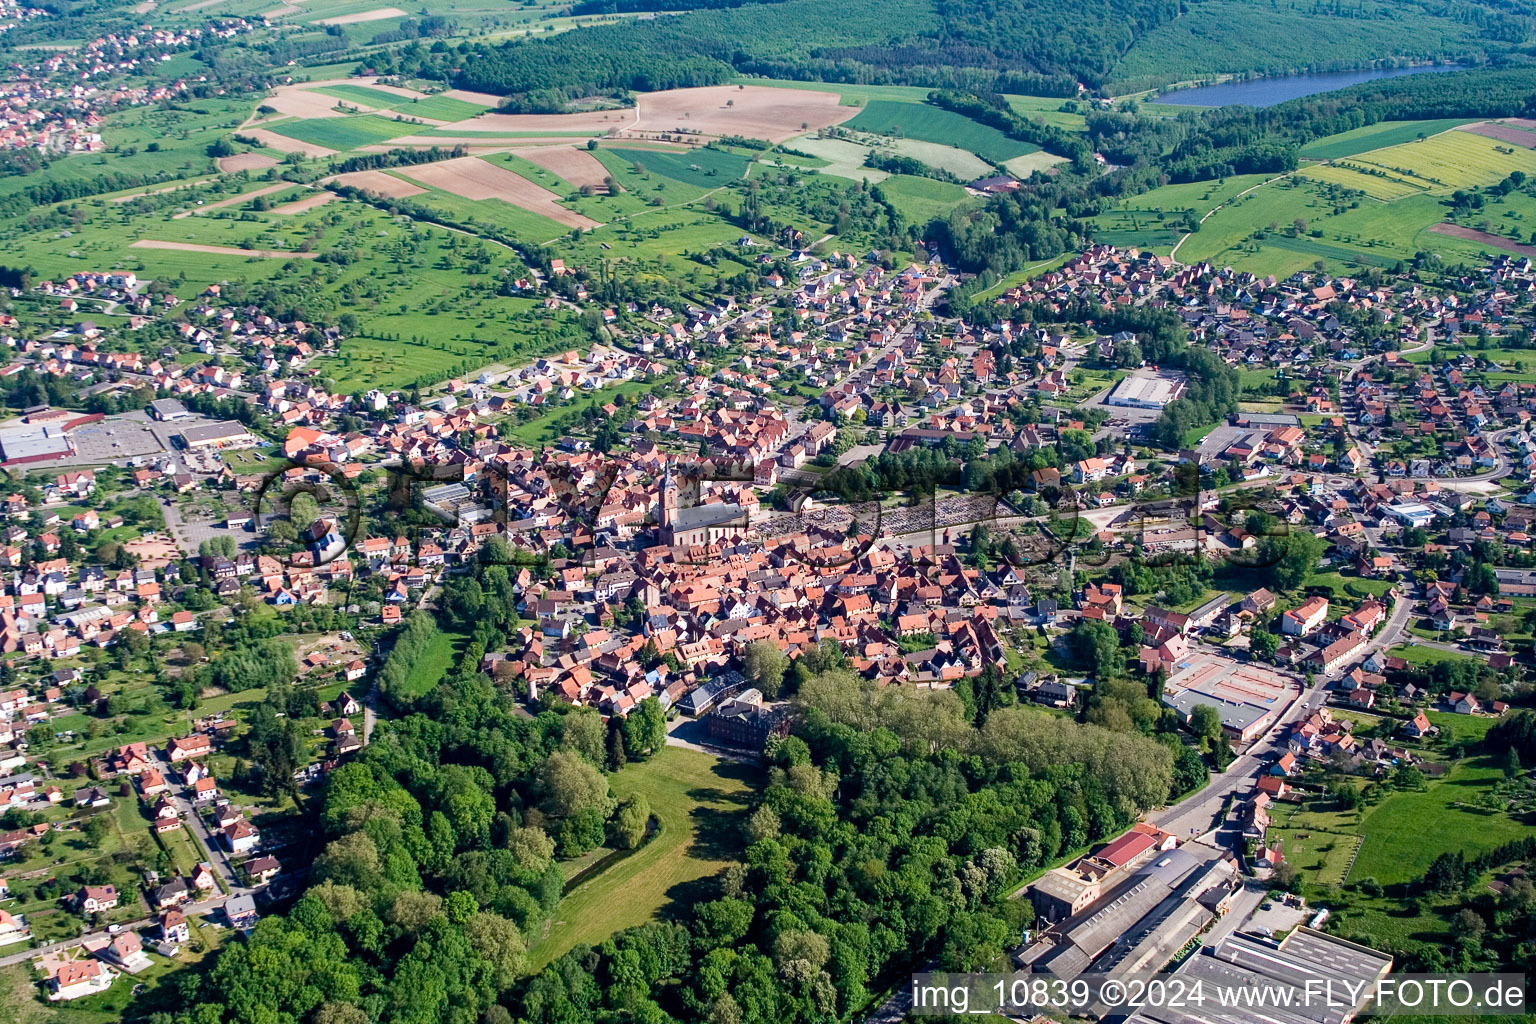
[1266, 92]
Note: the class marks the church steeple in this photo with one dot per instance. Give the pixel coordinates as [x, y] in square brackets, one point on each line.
[668, 499]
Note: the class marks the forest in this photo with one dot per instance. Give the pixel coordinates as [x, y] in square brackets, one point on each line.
[1042, 48]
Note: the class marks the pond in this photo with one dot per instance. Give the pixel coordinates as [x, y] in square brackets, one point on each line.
[1266, 92]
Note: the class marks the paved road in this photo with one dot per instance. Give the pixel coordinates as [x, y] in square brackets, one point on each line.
[202, 908]
[217, 855]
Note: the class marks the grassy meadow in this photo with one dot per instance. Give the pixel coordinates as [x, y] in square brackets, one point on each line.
[697, 801]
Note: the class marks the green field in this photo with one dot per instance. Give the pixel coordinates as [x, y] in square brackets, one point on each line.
[1407, 830]
[180, 133]
[935, 124]
[841, 158]
[343, 133]
[435, 662]
[962, 163]
[1448, 161]
[1047, 109]
[1324, 855]
[921, 199]
[1375, 136]
[697, 798]
[706, 168]
[1419, 654]
[438, 108]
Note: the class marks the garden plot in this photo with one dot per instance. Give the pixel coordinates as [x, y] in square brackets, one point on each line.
[472, 178]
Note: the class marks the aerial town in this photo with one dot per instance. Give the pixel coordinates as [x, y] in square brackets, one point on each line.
[573, 513]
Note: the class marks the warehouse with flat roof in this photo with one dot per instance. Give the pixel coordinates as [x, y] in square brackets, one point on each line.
[224, 434]
[1142, 392]
[35, 443]
[1305, 956]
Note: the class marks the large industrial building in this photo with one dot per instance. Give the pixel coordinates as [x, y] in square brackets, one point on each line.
[35, 443]
[1142, 392]
[1139, 920]
[1302, 957]
[223, 434]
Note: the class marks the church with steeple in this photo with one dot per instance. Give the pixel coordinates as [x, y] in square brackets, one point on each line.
[696, 524]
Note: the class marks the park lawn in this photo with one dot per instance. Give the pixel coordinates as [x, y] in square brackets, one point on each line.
[935, 124]
[922, 199]
[1408, 830]
[343, 133]
[1348, 586]
[698, 800]
[1375, 136]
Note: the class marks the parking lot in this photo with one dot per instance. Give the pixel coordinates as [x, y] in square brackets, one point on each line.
[114, 440]
[133, 435]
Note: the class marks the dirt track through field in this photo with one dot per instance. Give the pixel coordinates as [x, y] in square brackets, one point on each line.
[245, 162]
[485, 99]
[1484, 238]
[161, 191]
[576, 166]
[378, 182]
[235, 200]
[221, 250]
[305, 204]
[594, 121]
[473, 178]
[378, 14]
[283, 144]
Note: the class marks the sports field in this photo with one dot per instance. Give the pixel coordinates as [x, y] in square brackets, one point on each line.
[935, 124]
[698, 800]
